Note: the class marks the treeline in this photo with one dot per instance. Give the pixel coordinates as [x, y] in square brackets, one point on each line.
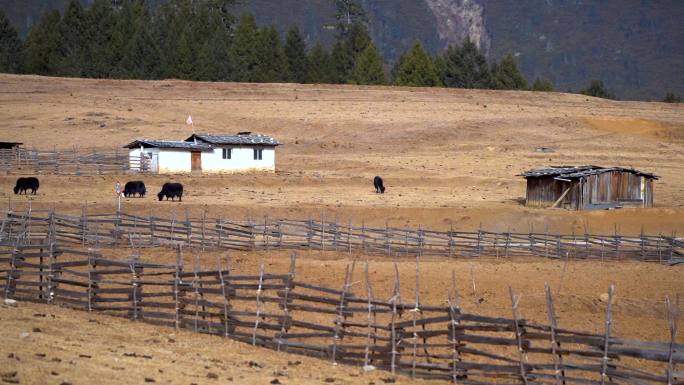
[203, 40]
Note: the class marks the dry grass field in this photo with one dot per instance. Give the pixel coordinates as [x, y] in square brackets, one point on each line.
[448, 157]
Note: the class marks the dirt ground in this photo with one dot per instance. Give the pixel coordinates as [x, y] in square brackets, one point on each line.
[448, 157]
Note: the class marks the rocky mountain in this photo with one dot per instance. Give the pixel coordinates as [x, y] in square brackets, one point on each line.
[635, 46]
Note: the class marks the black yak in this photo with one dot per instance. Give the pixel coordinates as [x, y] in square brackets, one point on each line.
[379, 188]
[171, 190]
[134, 187]
[29, 183]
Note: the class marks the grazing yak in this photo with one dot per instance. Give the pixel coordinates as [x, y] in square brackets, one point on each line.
[171, 190]
[24, 184]
[134, 187]
[379, 188]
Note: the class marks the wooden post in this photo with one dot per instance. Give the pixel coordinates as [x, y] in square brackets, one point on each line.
[546, 240]
[135, 283]
[309, 233]
[617, 244]
[555, 344]
[455, 315]
[176, 286]
[609, 323]
[204, 219]
[415, 311]
[84, 223]
[641, 236]
[265, 233]
[90, 281]
[508, 242]
[451, 240]
[420, 241]
[396, 298]
[151, 229]
[363, 236]
[51, 272]
[289, 285]
[660, 257]
[349, 234]
[371, 319]
[672, 321]
[224, 294]
[188, 228]
[258, 303]
[219, 231]
[479, 241]
[388, 239]
[339, 328]
[322, 233]
[518, 333]
[196, 284]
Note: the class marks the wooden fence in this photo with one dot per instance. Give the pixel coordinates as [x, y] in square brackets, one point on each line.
[206, 233]
[70, 162]
[346, 324]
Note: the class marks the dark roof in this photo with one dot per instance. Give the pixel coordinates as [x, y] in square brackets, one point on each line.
[574, 172]
[169, 144]
[241, 138]
[9, 144]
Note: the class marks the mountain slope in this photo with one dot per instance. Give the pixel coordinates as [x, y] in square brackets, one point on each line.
[634, 46]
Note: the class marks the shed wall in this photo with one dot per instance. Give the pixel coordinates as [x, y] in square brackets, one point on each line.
[242, 159]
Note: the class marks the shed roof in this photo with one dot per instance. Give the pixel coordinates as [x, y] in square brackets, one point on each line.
[10, 144]
[147, 143]
[574, 172]
[241, 138]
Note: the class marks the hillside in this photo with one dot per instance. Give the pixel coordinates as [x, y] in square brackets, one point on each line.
[448, 156]
[633, 46]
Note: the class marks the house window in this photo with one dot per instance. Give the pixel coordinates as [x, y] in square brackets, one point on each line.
[258, 153]
[227, 153]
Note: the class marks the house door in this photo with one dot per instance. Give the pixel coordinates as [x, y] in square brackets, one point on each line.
[196, 161]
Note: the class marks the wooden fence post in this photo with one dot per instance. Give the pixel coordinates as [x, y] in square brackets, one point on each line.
[225, 295]
[518, 333]
[454, 315]
[289, 285]
[559, 371]
[135, 284]
[388, 239]
[609, 323]
[258, 303]
[414, 312]
[151, 224]
[339, 327]
[396, 298]
[349, 234]
[219, 231]
[177, 287]
[451, 240]
[371, 320]
[90, 281]
[672, 321]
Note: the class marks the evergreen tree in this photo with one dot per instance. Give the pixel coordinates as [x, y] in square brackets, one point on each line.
[98, 50]
[348, 13]
[320, 68]
[10, 47]
[271, 60]
[295, 50]
[415, 68]
[213, 59]
[346, 51]
[465, 67]
[72, 34]
[41, 55]
[243, 52]
[672, 98]
[368, 67]
[542, 85]
[140, 58]
[506, 76]
[597, 89]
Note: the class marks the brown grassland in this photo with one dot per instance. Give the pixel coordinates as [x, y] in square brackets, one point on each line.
[448, 157]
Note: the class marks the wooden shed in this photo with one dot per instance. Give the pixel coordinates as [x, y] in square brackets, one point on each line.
[589, 187]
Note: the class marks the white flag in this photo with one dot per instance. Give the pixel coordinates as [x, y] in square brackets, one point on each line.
[189, 121]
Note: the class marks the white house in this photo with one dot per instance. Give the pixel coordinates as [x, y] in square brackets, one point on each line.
[205, 153]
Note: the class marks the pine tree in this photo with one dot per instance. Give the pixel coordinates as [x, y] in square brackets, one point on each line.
[415, 68]
[368, 68]
[348, 13]
[465, 67]
[295, 50]
[597, 89]
[507, 76]
[41, 54]
[542, 85]
[271, 60]
[10, 47]
[320, 68]
[672, 98]
[213, 59]
[98, 51]
[346, 51]
[72, 33]
[243, 52]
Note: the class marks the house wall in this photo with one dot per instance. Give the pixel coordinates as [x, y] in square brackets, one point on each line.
[242, 159]
[173, 161]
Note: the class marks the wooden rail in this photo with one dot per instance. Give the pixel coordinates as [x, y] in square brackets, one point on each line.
[343, 324]
[70, 162]
[206, 233]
